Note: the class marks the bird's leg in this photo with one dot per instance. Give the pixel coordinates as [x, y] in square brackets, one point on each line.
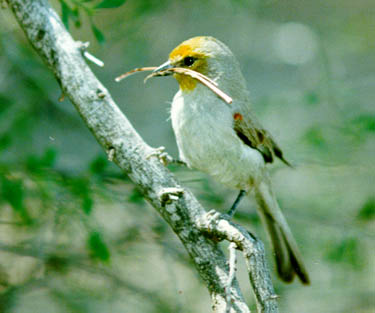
[236, 202]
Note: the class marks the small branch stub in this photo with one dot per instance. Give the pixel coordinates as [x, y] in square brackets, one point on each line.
[168, 195]
[111, 154]
[83, 47]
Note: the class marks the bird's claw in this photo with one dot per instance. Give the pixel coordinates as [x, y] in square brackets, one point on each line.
[162, 155]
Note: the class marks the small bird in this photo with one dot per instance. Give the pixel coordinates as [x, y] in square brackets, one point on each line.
[226, 140]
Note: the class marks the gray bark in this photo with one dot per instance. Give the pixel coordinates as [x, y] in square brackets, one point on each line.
[177, 206]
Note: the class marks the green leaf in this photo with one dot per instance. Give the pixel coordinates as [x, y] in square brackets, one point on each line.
[136, 196]
[49, 157]
[87, 204]
[312, 97]
[5, 141]
[315, 137]
[346, 251]
[367, 211]
[12, 191]
[97, 248]
[110, 4]
[65, 13]
[5, 103]
[364, 123]
[98, 165]
[81, 187]
[98, 34]
[47, 160]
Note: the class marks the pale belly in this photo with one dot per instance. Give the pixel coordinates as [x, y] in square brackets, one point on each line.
[206, 141]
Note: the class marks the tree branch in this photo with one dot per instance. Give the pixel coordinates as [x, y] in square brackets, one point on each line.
[126, 148]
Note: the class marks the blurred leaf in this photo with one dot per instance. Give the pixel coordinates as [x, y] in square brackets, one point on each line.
[312, 97]
[87, 204]
[5, 103]
[367, 211]
[109, 4]
[98, 34]
[160, 228]
[12, 191]
[98, 165]
[98, 249]
[314, 136]
[364, 123]
[49, 157]
[136, 196]
[81, 187]
[57, 263]
[347, 251]
[5, 141]
[47, 160]
[65, 12]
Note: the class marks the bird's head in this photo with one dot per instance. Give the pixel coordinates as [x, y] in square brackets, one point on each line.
[202, 54]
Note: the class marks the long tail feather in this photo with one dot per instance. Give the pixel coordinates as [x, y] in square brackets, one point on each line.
[288, 258]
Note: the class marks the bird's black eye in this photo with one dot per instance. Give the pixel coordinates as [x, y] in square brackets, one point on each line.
[188, 61]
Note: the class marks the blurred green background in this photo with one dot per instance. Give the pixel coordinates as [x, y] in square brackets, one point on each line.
[76, 234]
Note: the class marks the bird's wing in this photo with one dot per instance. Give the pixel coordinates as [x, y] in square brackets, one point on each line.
[252, 134]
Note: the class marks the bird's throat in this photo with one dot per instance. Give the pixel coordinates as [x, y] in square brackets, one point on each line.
[186, 83]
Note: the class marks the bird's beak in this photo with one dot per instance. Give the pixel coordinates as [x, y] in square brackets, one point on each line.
[165, 66]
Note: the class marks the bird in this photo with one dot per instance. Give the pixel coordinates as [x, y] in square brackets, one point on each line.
[227, 141]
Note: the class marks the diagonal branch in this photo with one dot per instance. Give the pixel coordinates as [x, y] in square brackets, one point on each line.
[177, 206]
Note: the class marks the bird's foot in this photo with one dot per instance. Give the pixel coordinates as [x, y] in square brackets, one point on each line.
[164, 157]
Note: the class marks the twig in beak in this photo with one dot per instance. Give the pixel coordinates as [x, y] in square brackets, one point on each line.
[184, 71]
[140, 69]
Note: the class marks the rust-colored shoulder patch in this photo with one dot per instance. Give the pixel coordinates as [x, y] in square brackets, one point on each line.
[237, 116]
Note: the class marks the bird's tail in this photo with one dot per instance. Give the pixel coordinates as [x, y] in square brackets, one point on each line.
[288, 258]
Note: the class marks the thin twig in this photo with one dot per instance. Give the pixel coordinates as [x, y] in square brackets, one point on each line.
[136, 70]
[209, 83]
[219, 226]
[93, 59]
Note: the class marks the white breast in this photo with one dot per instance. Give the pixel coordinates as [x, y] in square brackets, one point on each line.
[203, 125]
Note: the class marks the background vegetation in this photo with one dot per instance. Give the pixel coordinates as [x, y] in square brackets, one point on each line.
[77, 236]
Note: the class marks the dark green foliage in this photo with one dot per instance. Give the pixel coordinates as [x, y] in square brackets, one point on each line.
[98, 165]
[81, 187]
[136, 196]
[97, 248]
[47, 160]
[367, 211]
[346, 251]
[70, 10]
[109, 4]
[315, 137]
[312, 98]
[364, 123]
[97, 33]
[12, 191]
